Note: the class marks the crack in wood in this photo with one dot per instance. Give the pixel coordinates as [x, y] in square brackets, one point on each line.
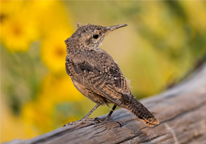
[183, 113]
[193, 138]
[159, 136]
[129, 138]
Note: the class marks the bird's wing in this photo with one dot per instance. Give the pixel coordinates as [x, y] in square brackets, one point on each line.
[105, 79]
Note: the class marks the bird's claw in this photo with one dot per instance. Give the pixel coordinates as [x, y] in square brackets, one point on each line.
[94, 121]
[98, 120]
[73, 123]
[87, 121]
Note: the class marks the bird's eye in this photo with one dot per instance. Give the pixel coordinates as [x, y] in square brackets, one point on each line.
[95, 36]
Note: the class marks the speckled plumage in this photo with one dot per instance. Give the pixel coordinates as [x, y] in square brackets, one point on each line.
[96, 75]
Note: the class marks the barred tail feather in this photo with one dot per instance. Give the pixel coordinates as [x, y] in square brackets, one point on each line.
[142, 113]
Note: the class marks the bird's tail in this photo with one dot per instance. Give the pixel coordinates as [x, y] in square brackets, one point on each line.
[142, 113]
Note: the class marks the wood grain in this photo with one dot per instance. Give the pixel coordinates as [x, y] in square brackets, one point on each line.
[180, 110]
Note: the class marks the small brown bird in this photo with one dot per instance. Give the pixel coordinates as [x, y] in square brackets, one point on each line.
[96, 75]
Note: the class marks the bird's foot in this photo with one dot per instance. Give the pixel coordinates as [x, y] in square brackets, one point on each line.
[96, 120]
[110, 124]
[87, 121]
[73, 123]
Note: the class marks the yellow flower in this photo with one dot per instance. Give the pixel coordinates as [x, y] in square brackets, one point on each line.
[40, 114]
[56, 29]
[49, 19]
[9, 8]
[53, 50]
[40, 117]
[18, 30]
[17, 33]
[60, 89]
[37, 114]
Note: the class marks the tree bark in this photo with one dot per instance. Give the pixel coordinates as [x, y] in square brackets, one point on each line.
[180, 110]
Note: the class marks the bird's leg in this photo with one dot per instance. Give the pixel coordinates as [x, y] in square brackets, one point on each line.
[110, 113]
[109, 107]
[84, 118]
[111, 123]
[108, 116]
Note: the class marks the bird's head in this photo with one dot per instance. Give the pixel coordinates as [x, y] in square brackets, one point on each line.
[91, 36]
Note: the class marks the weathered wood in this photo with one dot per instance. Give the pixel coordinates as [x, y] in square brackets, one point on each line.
[180, 110]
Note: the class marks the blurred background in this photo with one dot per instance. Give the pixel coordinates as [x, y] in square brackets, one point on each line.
[163, 41]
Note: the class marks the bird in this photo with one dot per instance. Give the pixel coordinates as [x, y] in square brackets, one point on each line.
[97, 76]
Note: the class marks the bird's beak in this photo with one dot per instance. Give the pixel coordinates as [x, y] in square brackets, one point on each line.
[112, 28]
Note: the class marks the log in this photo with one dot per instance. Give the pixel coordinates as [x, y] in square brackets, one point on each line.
[180, 110]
